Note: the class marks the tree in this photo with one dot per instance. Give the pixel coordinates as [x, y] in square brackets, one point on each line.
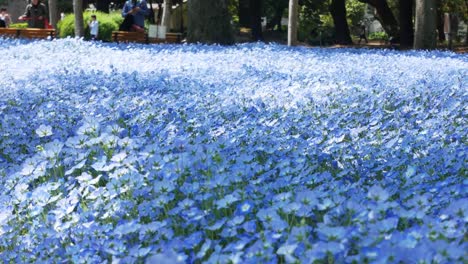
[244, 13]
[406, 23]
[103, 5]
[458, 10]
[292, 23]
[53, 13]
[166, 16]
[256, 19]
[79, 22]
[385, 16]
[338, 12]
[425, 29]
[209, 22]
[274, 12]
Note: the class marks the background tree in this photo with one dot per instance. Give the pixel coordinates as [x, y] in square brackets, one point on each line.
[79, 22]
[457, 8]
[53, 13]
[274, 11]
[425, 28]
[406, 23]
[315, 23]
[385, 16]
[209, 22]
[292, 22]
[256, 19]
[103, 5]
[166, 16]
[338, 12]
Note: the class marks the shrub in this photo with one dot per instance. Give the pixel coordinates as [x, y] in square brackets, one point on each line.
[18, 25]
[107, 24]
[378, 36]
[315, 29]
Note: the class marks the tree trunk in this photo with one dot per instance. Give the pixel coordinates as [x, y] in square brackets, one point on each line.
[79, 22]
[440, 26]
[244, 13]
[103, 5]
[209, 22]
[385, 16]
[166, 16]
[275, 21]
[256, 19]
[292, 23]
[406, 23]
[425, 32]
[338, 12]
[53, 13]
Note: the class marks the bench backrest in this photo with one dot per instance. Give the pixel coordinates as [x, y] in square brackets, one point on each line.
[141, 37]
[28, 32]
[37, 33]
[9, 32]
[125, 36]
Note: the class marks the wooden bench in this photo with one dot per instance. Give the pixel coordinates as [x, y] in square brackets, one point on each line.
[125, 36]
[30, 33]
[40, 33]
[9, 32]
[142, 37]
[170, 38]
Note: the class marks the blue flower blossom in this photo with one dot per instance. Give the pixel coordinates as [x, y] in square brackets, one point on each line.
[231, 154]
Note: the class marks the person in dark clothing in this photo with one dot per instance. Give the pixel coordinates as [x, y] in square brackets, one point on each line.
[362, 34]
[35, 14]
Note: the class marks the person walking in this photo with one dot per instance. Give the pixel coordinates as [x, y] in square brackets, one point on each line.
[362, 34]
[35, 14]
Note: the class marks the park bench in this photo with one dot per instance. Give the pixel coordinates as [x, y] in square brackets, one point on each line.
[9, 32]
[30, 33]
[170, 38]
[142, 37]
[125, 36]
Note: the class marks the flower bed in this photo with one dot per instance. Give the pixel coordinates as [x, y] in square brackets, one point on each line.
[250, 154]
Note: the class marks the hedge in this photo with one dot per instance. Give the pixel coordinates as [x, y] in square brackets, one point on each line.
[107, 24]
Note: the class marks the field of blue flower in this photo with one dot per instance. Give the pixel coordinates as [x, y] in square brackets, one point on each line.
[254, 153]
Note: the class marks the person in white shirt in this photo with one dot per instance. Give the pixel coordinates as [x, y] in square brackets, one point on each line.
[93, 27]
[5, 18]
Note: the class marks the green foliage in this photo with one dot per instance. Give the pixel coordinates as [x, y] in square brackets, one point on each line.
[65, 6]
[233, 8]
[315, 23]
[354, 12]
[378, 36]
[459, 7]
[18, 25]
[315, 29]
[107, 24]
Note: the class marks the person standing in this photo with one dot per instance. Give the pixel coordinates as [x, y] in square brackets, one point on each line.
[134, 13]
[362, 34]
[5, 19]
[35, 14]
[93, 27]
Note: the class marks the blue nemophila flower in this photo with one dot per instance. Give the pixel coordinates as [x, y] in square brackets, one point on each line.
[288, 252]
[250, 226]
[377, 193]
[167, 257]
[285, 159]
[226, 201]
[245, 207]
[44, 131]
[328, 233]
